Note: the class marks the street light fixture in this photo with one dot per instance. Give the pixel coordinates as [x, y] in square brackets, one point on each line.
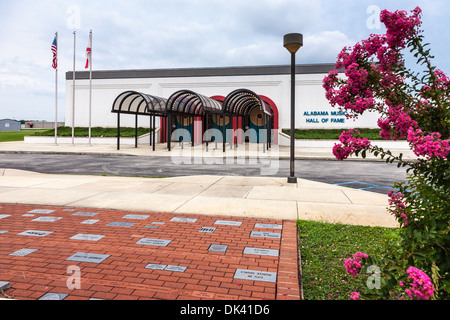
[293, 42]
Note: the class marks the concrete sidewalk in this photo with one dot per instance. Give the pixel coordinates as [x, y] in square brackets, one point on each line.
[252, 197]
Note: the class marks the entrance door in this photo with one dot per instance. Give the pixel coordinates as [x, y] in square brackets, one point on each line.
[217, 124]
[257, 122]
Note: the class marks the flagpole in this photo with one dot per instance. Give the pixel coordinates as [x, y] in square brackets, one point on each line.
[90, 90]
[73, 94]
[56, 95]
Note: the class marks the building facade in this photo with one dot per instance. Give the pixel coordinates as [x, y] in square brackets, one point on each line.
[10, 125]
[271, 83]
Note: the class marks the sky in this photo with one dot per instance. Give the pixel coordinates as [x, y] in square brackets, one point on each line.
[155, 34]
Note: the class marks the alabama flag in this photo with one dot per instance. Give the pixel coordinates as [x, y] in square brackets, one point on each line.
[89, 52]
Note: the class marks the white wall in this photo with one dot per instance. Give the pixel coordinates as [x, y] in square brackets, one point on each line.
[310, 98]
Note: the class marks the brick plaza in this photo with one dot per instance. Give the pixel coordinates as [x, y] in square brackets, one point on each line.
[123, 255]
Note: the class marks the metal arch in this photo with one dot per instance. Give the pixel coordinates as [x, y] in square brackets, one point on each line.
[240, 101]
[157, 105]
[244, 104]
[211, 105]
[189, 103]
[179, 98]
[237, 103]
[246, 109]
[192, 103]
[118, 103]
[137, 103]
[122, 104]
[233, 102]
[269, 108]
[114, 109]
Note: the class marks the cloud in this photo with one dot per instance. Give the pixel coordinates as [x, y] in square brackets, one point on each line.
[136, 34]
[195, 33]
[324, 46]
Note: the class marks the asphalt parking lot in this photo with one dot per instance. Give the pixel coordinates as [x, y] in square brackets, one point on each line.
[366, 175]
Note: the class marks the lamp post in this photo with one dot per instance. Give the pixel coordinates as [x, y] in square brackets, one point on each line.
[293, 42]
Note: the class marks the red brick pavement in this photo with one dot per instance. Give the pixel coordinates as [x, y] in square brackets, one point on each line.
[123, 275]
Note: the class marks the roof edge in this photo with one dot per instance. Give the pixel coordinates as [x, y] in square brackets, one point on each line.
[203, 72]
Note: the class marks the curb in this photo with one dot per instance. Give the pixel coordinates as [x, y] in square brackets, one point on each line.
[283, 158]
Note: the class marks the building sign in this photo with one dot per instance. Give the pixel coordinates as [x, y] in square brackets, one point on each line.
[325, 117]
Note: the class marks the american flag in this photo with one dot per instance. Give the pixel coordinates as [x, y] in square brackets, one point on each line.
[55, 54]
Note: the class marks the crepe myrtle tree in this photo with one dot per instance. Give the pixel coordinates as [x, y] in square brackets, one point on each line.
[413, 106]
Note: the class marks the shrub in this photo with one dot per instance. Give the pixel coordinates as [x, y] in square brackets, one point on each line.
[413, 105]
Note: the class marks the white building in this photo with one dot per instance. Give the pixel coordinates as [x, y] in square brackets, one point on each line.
[271, 83]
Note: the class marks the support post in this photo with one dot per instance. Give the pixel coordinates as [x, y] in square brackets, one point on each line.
[151, 133]
[118, 131]
[154, 132]
[292, 178]
[224, 137]
[206, 131]
[293, 42]
[136, 132]
[169, 131]
[192, 127]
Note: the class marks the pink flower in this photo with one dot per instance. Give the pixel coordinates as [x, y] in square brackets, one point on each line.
[400, 27]
[397, 200]
[397, 123]
[442, 80]
[430, 146]
[353, 266]
[359, 256]
[350, 144]
[355, 94]
[421, 287]
[341, 152]
[355, 296]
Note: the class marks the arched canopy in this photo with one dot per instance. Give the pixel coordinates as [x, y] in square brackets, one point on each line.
[133, 102]
[191, 103]
[241, 102]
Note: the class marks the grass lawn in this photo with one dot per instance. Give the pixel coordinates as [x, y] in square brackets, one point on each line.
[324, 249]
[96, 132]
[331, 134]
[320, 134]
[67, 132]
[18, 135]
